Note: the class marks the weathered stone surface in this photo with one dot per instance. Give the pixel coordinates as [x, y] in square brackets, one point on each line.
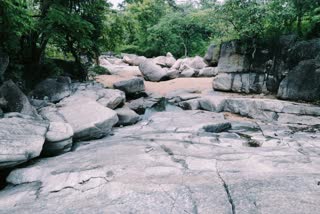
[21, 139]
[195, 63]
[168, 164]
[173, 74]
[212, 103]
[16, 100]
[127, 116]
[110, 98]
[303, 50]
[208, 72]
[212, 55]
[141, 104]
[302, 83]
[51, 114]
[130, 86]
[89, 119]
[133, 59]
[187, 71]
[123, 70]
[177, 64]
[182, 95]
[54, 89]
[232, 58]
[58, 139]
[240, 82]
[152, 72]
[165, 61]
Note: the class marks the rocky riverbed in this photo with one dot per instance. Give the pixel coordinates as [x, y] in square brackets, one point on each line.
[127, 145]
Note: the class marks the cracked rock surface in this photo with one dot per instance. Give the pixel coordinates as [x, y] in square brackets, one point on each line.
[178, 162]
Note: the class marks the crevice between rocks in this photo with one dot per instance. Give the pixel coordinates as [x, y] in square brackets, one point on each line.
[226, 188]
[182, 162]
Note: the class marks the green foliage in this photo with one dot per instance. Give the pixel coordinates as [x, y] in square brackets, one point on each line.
[97, 70]
[15, 21]
[29, 27]
[32, 30]
[183, 33]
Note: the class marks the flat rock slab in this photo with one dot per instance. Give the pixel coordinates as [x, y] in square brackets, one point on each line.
[20, 140]
[89, 119]
[166, 164]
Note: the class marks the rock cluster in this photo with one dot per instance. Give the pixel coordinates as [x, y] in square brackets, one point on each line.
[188, 151]
[291, 71]
[64, 113]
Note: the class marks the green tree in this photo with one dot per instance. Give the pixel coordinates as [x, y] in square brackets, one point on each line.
[183, 33]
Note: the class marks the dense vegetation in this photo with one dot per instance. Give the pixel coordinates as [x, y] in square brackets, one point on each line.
[35, 31]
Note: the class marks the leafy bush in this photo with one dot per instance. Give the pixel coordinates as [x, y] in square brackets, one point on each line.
[97, 70]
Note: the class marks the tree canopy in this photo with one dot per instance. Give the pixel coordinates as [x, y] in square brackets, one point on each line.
[33, 31]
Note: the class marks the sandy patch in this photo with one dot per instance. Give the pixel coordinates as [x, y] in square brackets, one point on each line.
[199, 84]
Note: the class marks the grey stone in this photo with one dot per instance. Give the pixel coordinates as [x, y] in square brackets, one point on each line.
[110, 98]
[240, 82]
[302, 83]
[59, 131]
[177, 64]
[212, 55]
[141, 104]
[21, 139]
[298, 119]
[190, 104]
[196, 62]
[152, 72]
[232, 58]
[127, 116]
[89, 119]
[187, 71]
[55, 89]
[58, 139]
[51, 114]
[175, 162]
[16, 100]
[133, 59]
[208, 72]
[165, 61]
[131, 86]
[212, 103]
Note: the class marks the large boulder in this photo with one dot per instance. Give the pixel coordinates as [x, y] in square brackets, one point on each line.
[111, 98]
[187, 71]
[133, 59]
[17, 101]
[21, 139]
[127, 116]
[165, 61]
[212, 55]
[177, 64]
[240, 82]
[208, 72]
[302, 83]
[88, 118]
[303, 50]
[140, 105]
[232, 58]
[55, 89]
[4, 62]
[240, 56]
[152, 72]
[58, 139]
[194, 62]
[131, 86]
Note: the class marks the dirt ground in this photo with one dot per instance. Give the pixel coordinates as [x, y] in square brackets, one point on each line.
[199, 84]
